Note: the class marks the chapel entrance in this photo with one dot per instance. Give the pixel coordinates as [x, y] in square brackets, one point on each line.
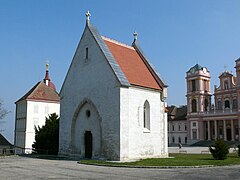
[88, 144]
[229, 135]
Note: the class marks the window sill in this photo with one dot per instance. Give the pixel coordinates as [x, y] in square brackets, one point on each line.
[145, 130]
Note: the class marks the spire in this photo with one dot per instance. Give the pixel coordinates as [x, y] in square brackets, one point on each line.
[88, 16]
[47, 80]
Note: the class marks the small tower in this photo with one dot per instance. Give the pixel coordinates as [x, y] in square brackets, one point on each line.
[198, 89]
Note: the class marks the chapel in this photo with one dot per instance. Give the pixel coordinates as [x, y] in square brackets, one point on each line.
[113, 102]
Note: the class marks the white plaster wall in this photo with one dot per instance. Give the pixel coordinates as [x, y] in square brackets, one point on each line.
[37, 118]
[141, 142]
[91, 79]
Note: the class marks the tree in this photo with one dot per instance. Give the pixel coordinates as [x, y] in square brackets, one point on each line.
[47, 136]
[219, 150]
[3, 111]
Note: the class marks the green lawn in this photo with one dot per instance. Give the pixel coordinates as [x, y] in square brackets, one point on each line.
[177, 160]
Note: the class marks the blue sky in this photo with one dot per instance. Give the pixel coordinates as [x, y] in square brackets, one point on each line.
[174, 35]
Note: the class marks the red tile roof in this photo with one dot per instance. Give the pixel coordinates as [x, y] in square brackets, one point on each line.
[41, 92]
[131, 64]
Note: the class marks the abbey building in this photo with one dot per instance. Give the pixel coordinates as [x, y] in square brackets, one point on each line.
[207, 120]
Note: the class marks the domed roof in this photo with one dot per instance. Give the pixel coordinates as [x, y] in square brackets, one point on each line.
[195, 68]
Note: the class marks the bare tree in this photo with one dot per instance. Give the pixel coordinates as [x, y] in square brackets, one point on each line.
[3, 111]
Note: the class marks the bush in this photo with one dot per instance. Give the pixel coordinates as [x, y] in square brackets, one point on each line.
[238, 150]
[219, 150]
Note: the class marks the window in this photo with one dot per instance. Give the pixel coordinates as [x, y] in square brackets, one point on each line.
[179, 139]
[185, 127]
[173, 139]
[86, 53]
[194, 124]
[146, 115]
[219, 105]
[194, 105]
[205, 85]
[193, 85]
[46, 109]
[179, 127]
[185, 140]
[205, 104]
[227, 104]
[88, 113]
[235, 105]
[35, 109]
[194, 135]
[173, 127]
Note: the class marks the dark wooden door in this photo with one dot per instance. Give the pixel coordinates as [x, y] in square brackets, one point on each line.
[88, 144]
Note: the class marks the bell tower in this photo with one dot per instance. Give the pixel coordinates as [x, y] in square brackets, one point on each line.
[198, 90]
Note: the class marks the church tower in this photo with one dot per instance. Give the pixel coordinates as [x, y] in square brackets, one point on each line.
[198, 99]
[198, 90]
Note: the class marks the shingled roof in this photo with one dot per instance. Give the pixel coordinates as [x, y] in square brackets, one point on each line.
[41, 92]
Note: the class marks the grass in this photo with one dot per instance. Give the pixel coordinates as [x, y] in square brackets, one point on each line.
[178, 160]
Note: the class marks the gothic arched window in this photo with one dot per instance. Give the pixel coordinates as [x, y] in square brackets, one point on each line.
[194, 105]
[146, 115]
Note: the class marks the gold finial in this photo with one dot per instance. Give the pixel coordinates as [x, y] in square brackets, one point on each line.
[47, 65]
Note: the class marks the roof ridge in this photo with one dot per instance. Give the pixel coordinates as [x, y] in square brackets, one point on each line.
[117, 42]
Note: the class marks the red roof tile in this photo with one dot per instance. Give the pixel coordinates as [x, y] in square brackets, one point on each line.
[131, 64]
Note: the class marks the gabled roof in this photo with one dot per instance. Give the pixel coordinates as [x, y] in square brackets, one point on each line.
[132, 64]
[177, 113]
[128, 63]
[4, 141]
[41, 92]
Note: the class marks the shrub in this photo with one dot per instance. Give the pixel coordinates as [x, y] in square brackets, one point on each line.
[219, 150]
[238, 150]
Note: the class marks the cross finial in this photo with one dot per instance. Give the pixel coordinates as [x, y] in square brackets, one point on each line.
[135, 34]
[88, 15]
[225, 68]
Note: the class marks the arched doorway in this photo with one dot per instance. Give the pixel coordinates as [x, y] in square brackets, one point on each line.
[86, 131]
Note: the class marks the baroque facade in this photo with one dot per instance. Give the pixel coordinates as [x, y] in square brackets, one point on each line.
[112, 102]
[32, 110]
[217, 120]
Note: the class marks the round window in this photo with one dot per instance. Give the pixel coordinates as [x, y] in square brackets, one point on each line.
[88, 113]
